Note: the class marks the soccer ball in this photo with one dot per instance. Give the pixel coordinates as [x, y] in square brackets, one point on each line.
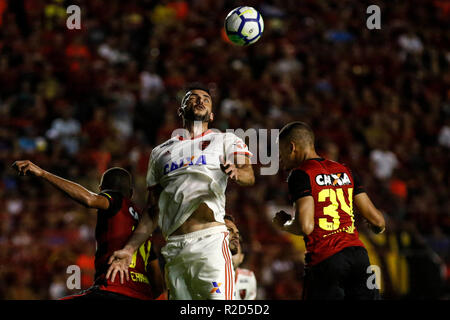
[244, 26]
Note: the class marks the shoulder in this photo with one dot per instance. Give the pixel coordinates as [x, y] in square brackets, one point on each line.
[298, 174]
[229, 135]
[115, 199]
[245, 272]
[339, 166]
[111, 194]
[166, 144]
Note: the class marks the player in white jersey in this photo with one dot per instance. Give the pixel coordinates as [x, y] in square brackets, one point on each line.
[186, 179]
[245, 280]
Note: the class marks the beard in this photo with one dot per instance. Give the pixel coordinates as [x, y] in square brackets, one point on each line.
[190, 115]
[233, 250]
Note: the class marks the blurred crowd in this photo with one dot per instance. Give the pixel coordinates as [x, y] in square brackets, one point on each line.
[79, 101]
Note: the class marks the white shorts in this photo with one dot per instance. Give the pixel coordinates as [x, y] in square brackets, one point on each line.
[198, 265]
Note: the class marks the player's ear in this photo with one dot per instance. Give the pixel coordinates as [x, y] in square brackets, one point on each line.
[292, 146]
[211, 117]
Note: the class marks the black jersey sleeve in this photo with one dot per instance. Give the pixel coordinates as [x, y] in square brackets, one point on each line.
[299, 185]
[115, 201]
[359, 187]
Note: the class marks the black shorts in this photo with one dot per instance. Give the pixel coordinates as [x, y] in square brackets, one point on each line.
[342, 276]
[94, 293]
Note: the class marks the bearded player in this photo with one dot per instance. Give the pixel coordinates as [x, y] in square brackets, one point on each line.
[323, 193]
[187, 177]
[117, 216]
[245, 280]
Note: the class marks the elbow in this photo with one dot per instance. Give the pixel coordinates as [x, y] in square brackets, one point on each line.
[88, 202]
[307, 228]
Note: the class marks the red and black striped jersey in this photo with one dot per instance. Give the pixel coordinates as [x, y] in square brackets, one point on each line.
[114, 227]
[332, 186]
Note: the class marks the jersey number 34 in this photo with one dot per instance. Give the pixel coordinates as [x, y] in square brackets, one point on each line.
[337, 200]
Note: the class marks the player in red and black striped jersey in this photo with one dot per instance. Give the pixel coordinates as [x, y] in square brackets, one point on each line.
[323, 193]
[117, 217]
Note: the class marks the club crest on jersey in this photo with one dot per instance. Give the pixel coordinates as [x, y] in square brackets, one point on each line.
[334, 179]
[242, 293]
[185, 162]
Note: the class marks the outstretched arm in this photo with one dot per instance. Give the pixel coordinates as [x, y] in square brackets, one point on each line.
[72, 189]
[121, 259]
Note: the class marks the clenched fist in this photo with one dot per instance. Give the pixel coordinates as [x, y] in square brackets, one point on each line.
[281, 217]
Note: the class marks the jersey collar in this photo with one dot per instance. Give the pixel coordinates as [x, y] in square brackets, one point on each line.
[201, 135]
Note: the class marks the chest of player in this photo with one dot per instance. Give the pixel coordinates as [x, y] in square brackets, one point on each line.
[185, 154]
[244, 287]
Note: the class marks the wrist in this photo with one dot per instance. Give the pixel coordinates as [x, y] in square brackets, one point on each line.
[129, 249]
[377, 230]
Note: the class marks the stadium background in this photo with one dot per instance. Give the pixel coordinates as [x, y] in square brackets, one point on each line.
[79, 101]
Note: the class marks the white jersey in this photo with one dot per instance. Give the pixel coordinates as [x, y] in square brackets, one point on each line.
[189, 172]
[245, 285]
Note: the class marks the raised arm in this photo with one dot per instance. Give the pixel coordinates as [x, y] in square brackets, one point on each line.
[370, 212]
[240, 170]
[72, 189]
[121, 259]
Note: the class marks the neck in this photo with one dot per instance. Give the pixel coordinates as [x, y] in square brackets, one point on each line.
[310, 154]
[195, 128]
[300, 158]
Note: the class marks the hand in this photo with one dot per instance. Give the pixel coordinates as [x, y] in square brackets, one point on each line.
[229, 169]
[281, 217]
[26, 167]
[375, 229]
[119, 262]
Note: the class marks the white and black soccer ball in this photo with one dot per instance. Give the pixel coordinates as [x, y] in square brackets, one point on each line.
[244, 26]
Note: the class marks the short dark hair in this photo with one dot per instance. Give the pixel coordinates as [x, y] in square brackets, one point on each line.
[197, 86]
[299, 132]
[117, 179]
